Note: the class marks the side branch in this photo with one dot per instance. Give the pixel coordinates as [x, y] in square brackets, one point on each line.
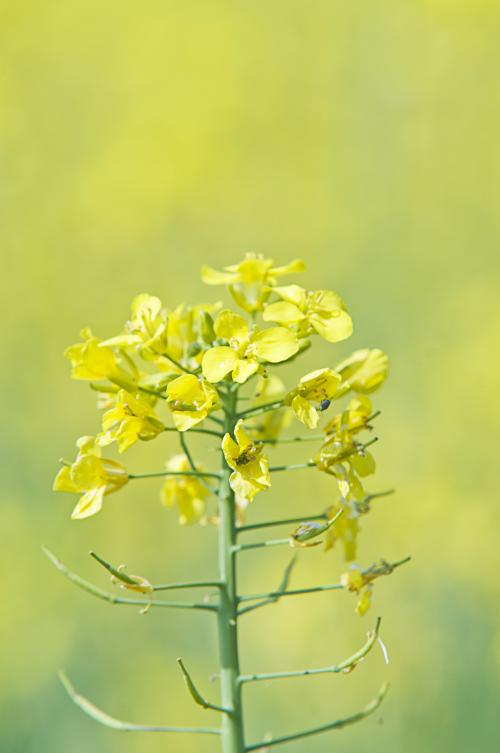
[112, 599]
[195, 693]
[120, 575]
[109, 721]
[345, 666]
[261, 409]
[158, 474]
[338, 724]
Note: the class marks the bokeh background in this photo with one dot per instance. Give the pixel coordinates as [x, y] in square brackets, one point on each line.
[139, 141]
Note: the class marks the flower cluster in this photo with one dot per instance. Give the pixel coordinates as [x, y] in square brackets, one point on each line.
[177, 369]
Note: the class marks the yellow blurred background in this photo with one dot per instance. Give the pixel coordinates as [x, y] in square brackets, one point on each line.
[138, 141]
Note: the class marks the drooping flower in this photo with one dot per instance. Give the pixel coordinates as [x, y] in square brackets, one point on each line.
[346, 529]
[187, 492]
[132, 418]
[92, 476]
[353, 419]
[146, 328]
[320, 311]
[191, 399]
[245, 349]
[91, 360]
[364, 370]
[249, 281]
[250, 465]
[314, 392]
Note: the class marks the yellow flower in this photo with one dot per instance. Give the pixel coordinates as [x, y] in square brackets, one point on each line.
[347, 460]
[318, 387]
[269, 425]
[354, 580]
[250, 465]
[249, 280]
[364, 370]
[146, 329]
[190, 399]
[186, 491]
[346, 529]
[90, 475]
[352, 420]
[131, 418]
[320, 311]
[92, 360]
[245, 349]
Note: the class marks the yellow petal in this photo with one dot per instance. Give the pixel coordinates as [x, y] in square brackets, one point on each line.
[274, 344]
[242, 437]
[218, 362]
[229, 325]
[64, 483]
[305, 412]
[212, 277]
[184, 389]
[89, 504]
[283, 313]
[244, 369]
[334, 327]
[231, 450]
[295, 266]
[292, 294]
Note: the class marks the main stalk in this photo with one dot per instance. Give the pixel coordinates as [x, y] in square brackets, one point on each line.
[232, 724]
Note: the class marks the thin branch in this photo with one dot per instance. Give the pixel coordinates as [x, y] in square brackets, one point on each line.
[109, 721]
[385, 569]
[196, 431]
[292, 467]
[261, 409]
[162, 587]
[112, 599]
[195, 693]
[187, 453]
[346, 665]
[282, 522]
[280, 591]
[218, 421]
[260, 544]
[338, 724]
[158, 474]
[290, 440]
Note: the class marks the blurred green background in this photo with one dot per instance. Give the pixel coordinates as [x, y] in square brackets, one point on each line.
[138, 141]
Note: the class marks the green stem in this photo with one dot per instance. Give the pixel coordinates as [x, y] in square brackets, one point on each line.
[196, 431]
[158, 474]
[338, 724]
[292, 467]
[232, 723]
[260, 544]
[260, 409]
[112, 599]
[109, 721]
[343, 666]
[187, 453]
[290, 440]
[282, 522]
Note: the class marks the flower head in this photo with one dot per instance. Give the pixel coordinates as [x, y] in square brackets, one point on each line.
[245, 349]
[249, 281]
[364, 370]
[132, 418]
[320, 311]
[250, 465]
[91, 476]
[314, 391]
[186, 491]
[190, 399]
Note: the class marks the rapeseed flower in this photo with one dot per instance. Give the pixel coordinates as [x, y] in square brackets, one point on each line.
[245, 349]
[92, 476]
[250, 465]
[307, 312]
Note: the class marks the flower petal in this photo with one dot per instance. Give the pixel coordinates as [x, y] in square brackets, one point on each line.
[305, 412]
[275, 344]
[89, 504]
[218, 362]
[229, 325]
[333, 327]
[283, 313]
